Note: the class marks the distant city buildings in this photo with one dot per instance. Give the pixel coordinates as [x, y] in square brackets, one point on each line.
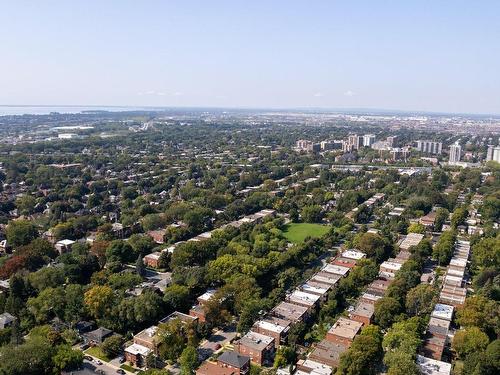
[391, 141]
[309, 146]
[430, 147]
[455, 153]
[368, 140]
[493, 153]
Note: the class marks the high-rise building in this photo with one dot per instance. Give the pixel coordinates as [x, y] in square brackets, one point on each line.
[430, 147]
[309, 146]
[493, 153]
[368, 140]
[391, 141]
[354, 141]
[455, 153]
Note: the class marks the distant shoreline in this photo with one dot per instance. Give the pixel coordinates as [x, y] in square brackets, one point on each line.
[20, 109]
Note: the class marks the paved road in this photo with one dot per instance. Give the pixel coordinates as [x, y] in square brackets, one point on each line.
[107, 368]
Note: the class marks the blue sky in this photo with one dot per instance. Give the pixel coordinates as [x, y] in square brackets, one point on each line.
[433, 55]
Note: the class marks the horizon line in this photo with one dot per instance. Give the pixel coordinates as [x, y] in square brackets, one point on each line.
[286, 109]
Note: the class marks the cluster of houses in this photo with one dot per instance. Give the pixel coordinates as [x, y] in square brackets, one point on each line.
[452, 295]
[326, 354]
[368, 203]
[268, 333]
[153, 259]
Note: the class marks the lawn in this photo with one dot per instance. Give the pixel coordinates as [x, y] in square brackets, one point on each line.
[129, 368]
[297, 232]
[97, 352]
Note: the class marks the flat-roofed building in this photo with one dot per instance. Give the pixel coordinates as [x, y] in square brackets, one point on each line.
[430, 366]
[389, 268]
[344, 262]
[301, 298]
[369, 298]
[379, 286]
[308, 366]
[363, 312]
[456, 271]
[328, 353]
[291, 312]
[438, 327]
[149, 338]
[320, 290]
[343, 331]
[326, 278]
[412, 239]
[337, 270]
[433, 346]
[452, 280]
[443, 311]
[137, 354]
[452, 295]
[273, 327]
[353, 254]
[260, 348]
[205, 297]
[457, 262]
[428, 220]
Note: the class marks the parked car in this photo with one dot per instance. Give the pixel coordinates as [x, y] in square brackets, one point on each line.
[88, 358]
[98, 362]
[121, 359]
[84, 346]
[120, 371]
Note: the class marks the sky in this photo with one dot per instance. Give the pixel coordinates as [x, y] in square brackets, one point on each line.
[417, 55]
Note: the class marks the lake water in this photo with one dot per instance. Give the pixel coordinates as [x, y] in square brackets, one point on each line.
[45, 110]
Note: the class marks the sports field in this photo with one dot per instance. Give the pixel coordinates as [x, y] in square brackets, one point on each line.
[297, 232]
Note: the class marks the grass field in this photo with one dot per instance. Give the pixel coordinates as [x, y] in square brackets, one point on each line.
[95, 351]
[297, 232]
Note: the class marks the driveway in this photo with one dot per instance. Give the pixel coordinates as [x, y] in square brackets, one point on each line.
[216, 341]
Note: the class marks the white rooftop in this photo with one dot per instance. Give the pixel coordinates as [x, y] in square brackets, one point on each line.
[299, 296]
[431, 366]
[65, 242]
[268, 326]
[333, 268]
[353, 254]
[314, 289]
[443, 311]
[136, 349]
[394, 266]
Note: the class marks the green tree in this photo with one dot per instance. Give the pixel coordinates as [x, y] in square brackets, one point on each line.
[480, 312]
[386, 310]
[416, 228]
[177, 297]
[311, 214]
[419, 299]
[20, 232]
[26, 204]
[469, 340]
[99, 300]
[112, 346]
[188, 360]
[140, 268]
[67, 359]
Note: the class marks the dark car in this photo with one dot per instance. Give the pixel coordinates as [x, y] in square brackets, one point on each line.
[84, 346]
[88, 358]
[120, 371]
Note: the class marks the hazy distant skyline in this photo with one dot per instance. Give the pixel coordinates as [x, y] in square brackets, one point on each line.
[441, 56]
